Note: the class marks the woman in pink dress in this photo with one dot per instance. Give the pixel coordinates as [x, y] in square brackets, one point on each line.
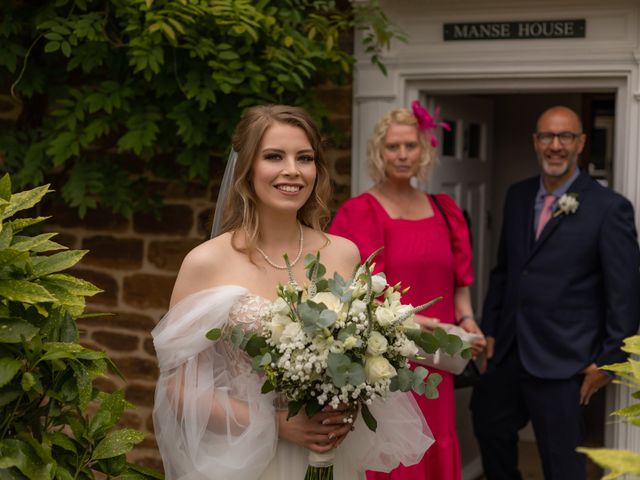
[422, 250]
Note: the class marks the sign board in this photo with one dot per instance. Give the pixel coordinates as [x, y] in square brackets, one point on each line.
[515, 30]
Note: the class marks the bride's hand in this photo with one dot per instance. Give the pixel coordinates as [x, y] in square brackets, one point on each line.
[426, 323]
[320, 433]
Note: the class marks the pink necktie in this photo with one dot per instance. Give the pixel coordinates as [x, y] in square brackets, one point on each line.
[545, 213]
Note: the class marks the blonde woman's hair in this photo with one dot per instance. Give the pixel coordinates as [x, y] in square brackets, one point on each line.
[375, 145]
[240, 212]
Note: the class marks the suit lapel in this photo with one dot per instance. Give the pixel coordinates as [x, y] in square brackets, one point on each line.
[579, 185]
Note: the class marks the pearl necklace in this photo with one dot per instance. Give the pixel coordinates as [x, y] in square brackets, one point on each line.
[295, 260]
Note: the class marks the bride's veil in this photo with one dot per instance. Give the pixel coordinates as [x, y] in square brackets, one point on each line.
[223, 193]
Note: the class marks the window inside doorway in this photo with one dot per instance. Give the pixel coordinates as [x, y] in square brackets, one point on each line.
[598, 117]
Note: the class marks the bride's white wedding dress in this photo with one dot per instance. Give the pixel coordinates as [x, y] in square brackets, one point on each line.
[212, 422]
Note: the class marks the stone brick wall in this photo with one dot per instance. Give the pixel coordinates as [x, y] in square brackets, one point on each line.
[135, 262]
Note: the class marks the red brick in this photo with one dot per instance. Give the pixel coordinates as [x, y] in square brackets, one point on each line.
[205, 220]
[119, 253]
[115, 341]
[66, 239]
[130, 420]
[137, 368]
[168, 255]
[144, 290]
[105, 384]
[121, 320]
[109, 295]
[149, 424]
[140, 395]
[96, 219]
[342, 165]
[172, 220]
[175, 190]
[148, 346]
[337, 99]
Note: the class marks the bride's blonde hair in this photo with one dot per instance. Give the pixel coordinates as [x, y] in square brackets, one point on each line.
[240, 212]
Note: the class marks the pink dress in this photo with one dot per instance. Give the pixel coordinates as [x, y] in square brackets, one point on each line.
[424, 255]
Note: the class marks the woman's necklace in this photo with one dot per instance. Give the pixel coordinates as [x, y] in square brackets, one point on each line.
[295, 260]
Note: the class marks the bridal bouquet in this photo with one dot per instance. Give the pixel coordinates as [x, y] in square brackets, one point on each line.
[340, 342]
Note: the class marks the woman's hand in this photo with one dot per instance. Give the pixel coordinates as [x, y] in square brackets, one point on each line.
[477, 346]
[320, 433]
[426, 323]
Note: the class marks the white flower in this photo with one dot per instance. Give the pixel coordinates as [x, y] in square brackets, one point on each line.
[384, 316]
[290, 332]
[357, 307]
[568, 203]
[277, 325]
[407, 348]
[330, 300]
[377, 344]
[350, 342]
[378, 368]
[378, 283]
[280, 306]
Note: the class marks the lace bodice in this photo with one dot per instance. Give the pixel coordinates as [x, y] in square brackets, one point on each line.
[245, 312]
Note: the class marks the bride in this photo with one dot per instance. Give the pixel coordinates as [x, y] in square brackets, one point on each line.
[211, 420]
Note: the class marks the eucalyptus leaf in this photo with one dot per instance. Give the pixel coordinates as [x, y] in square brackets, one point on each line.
[368, 418]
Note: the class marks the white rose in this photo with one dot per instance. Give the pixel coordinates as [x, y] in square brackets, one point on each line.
[378, 283]
[357, 307]
[276, 326]
[568, 204]
[329, 299]
[408, 348]
[377, 344]
[290, 332]
[378, 368]
[384, 316]
[280, 306]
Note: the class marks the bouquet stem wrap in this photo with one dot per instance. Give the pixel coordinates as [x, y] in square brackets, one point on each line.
[320, 466]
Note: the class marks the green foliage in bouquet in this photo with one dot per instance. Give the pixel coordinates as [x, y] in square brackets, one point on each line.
[332, 342]
[621, 462]
[46, 377]
[105, 82]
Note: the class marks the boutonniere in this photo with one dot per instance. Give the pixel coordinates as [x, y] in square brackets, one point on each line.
[568, 203]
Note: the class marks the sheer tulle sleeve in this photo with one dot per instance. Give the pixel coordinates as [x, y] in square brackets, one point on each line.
[359, 221]
[402, 436]
[209, 415]
[460, 241]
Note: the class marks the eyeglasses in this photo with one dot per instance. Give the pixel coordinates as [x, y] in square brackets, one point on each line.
[565, 138]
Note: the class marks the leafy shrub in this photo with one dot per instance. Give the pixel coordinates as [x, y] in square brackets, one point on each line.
[113, 88]
[621, 462]
[54, 424]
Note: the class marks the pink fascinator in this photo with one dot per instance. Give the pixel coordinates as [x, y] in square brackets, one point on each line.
[428, 123]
